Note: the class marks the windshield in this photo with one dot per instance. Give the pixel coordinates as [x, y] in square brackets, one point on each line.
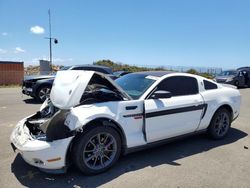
[117, 73]
[228, 73]
[135, 84]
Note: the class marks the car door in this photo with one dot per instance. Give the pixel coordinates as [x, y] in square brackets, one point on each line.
[241, 79]
[180, 114]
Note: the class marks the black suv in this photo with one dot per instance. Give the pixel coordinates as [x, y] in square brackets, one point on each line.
[39, 86]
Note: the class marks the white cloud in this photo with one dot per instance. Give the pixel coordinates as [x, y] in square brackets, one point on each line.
[4, 34]
[60, 60]
[2, 51]
[19, 50]
[37, 29]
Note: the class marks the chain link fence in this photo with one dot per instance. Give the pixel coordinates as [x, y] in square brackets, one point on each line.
[209, 70]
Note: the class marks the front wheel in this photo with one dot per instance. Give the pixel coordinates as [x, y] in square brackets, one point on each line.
[220, 124]
[43, 93]
[236, 83]
[97, 150]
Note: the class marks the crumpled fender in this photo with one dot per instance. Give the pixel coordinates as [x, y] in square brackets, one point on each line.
[80, 116]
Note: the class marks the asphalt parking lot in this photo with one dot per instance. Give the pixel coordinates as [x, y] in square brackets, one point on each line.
[193, 162]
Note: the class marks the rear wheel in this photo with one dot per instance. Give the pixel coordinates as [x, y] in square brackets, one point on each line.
[97, 150]
[220, 124]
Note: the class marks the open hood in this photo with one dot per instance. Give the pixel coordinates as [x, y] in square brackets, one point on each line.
[69, 86]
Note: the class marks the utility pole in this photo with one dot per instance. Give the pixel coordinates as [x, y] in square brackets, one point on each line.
[50, 40]
[50, 46]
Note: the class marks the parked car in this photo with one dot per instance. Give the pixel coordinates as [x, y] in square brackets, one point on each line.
[118, 74]
[245, 71]
[239, 77]
[91, 120]
[39, 87]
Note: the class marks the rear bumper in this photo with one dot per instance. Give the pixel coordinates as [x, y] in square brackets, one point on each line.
[235, 117]
[38, 152]
[236, 103]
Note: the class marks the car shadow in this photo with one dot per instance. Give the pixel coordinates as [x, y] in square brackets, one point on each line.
[241, 88]
[31, 101]
[166, 154]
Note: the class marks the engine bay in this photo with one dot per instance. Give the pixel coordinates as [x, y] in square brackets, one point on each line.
[48, 123]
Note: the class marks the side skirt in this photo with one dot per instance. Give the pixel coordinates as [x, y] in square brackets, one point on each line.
[161, 142]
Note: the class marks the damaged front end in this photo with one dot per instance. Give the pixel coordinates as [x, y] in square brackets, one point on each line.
[43, 139]
[48, 123]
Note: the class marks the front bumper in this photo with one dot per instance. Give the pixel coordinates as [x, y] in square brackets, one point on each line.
[225, 81]
[27, 91]
[37, 151]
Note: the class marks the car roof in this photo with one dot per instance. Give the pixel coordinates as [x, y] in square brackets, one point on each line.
[107, 69]
[89, 65]
[243, 68]
[154, 73]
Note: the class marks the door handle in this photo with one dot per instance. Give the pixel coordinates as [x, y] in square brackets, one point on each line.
[131, 107]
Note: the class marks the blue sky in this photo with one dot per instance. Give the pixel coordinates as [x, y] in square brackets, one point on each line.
[214, 33]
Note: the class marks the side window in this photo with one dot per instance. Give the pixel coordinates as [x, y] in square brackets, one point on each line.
[179, 85]
[209, 85]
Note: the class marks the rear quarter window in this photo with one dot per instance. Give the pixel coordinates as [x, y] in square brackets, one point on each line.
[209, 85]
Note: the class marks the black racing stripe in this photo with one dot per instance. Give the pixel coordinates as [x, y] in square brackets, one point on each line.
[174, 111]
[133, 115]
[204, 111]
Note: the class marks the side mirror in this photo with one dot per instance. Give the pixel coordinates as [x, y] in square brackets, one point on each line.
[161, 94]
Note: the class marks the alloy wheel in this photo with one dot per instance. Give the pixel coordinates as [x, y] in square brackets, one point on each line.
[222, 124]
[44, 93]
[100, 151]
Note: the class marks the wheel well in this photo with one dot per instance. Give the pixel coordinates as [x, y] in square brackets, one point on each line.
[228, 107]
[42, 85]
[104, 122]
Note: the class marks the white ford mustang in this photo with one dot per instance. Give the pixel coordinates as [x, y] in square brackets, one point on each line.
[91, 120]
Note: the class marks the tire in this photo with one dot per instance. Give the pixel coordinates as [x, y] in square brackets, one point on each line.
[220, 124]
[43, 93]
[236, 83]
[97, 150]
